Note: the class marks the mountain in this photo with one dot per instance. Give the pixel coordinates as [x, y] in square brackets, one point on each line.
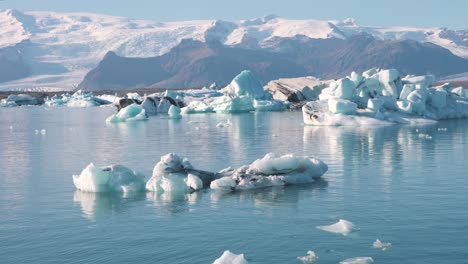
[59, 49]
[194, 63]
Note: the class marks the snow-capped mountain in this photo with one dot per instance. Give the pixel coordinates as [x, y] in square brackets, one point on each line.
[58, 49]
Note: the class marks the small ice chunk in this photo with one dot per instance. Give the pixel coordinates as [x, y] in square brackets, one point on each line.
[174, 112]
[381, 245]
[342, 227]
[309, 258]
[358, 260]
[133, 112]
[224, 123]
[230, 258]
[43, 131]
[426, 136]
[115, 178]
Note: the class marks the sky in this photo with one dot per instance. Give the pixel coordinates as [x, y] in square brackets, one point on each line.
[428, 13]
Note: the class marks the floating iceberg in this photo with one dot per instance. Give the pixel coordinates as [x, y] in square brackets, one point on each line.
[174, 112]
[132, 112]
[247, 84]
[230, 258]
[270, 105]
[358, 260]
[176, 175]
[196, 107]
[309, 258]
[341, 227]
[78, 99]
[271, 171]
[239, 104]
[115, 178]
[295, 89]
[382, 97]
[381, 245]
[19, 100]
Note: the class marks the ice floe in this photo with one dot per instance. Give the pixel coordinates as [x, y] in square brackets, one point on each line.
[384, 246]
[19, 100]
[343, 227]
[174, 112]
[358, 260]
[132, 112]
[309, 258]
[230, 258]
[269, 171]
[115, 178]
[77, 99]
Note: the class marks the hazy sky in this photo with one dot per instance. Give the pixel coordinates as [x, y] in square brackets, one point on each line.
[448, 13]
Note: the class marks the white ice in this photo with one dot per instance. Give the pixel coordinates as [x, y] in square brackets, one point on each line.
[271, 170]
[230, 258]
[381, 245]
[133, 112]
[174, 112]
[115, 178]
[358, 260]
[309, 258]
[343, 227]
[226, 104]
[246, 83]
[171, 175]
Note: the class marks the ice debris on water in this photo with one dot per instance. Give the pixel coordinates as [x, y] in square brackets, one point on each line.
[176, 175]
[381, 245]
[40, 131]
[309, 258]
[115, 178]
[358, 260]
[269, 171]
[224, 123]
[230, 258]
[133, 112]
[343, 227]
[425, 136]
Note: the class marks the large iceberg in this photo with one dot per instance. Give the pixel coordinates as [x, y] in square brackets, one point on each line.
[132, 112]
[176, 175]
[77, 99]
[230, 258]
[247, 84]
[115, 178]
[383, 97]
[239, 104]
[295, 89]
[269, 171]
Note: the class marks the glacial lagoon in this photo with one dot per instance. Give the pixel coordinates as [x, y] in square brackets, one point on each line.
[405, 185]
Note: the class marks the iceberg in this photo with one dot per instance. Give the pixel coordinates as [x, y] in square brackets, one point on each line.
[270, 105]
[247, 84]
[381, 97]
[174, 112]
[343, 227]
[78, 99]
[358, 260]
[309, 258]
[176, 175]
[115, 178]
[239, 104]
[270, 171]
[230, 258]
[132, 112]
[195, 107]
[295, 89]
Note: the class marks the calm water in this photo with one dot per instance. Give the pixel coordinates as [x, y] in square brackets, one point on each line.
[395, 185]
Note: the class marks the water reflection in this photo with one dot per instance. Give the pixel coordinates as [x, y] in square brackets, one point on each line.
[279, 196]
[94, 205]
[173, 203]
